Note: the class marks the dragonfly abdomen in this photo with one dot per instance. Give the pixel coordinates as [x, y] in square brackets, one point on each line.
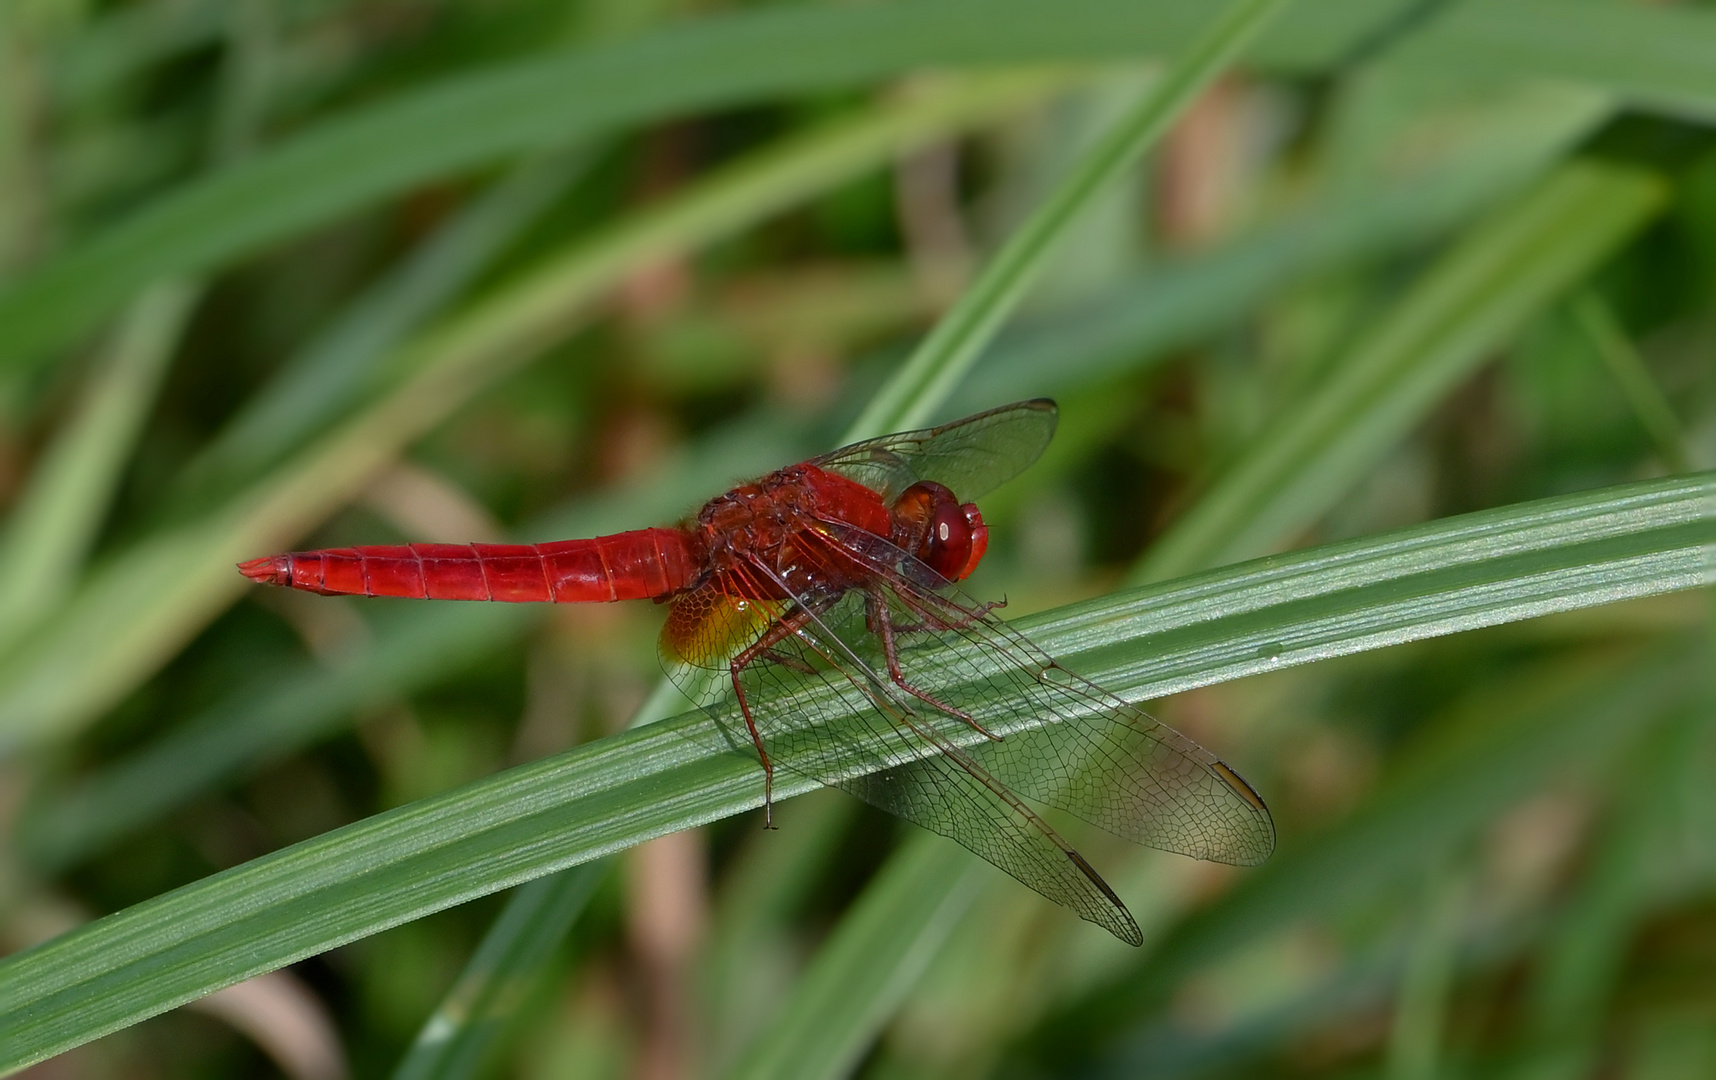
[635, 565]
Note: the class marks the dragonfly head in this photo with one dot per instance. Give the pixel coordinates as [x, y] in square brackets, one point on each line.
[931, 523]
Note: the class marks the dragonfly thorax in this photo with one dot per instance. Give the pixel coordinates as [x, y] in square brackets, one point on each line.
[771, 531]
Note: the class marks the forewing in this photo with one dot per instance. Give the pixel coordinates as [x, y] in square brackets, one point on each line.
[1066, 741]
[972, 456]
[823, 711]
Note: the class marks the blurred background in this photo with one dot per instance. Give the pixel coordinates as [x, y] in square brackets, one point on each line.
[302, 273]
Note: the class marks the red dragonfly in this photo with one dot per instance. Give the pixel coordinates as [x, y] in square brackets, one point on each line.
[817, 605]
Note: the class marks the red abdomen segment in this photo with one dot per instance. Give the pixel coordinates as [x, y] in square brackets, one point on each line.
[634, 565]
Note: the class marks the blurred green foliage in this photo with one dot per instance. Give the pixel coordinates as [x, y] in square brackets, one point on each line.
[292, 273]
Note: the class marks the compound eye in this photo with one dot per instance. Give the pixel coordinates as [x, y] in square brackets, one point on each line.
[947, 546]
[979, 538]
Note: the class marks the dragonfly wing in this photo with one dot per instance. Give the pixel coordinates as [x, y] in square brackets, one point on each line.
[823, 710]
[1067, 742]
[951, 794]
[972, 456]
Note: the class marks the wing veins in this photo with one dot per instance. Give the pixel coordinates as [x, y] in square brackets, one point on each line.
[1182, 796]
[950, 765]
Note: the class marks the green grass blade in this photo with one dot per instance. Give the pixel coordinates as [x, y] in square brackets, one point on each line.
[873, 959]
[1506, 268]
[1594, 317]
[747, 966]
[513, 957]
[901, 923]
[951, 348]
[1477, 570]
[1587, 949]
[329, 375]
[123, 43]
[1188, 299]
[1421, 1007]
[1503, 742]
[1657, 56]
[49, 533]
[272, 714]
[465, 122]
[1314, 466]
[138, 609]
[883, 945]
[1174, 304]
[1660, 65]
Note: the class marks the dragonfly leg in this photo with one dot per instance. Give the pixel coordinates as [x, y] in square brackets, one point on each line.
[763, 648]
[882, 625]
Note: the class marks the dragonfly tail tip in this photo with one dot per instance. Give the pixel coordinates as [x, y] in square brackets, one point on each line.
[269, 570]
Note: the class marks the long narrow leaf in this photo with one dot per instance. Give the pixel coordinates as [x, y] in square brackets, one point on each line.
[1648, 55]
[1173, 304]
[49, 533]
[1477, 570]
[859, 977]
[1187, 299]
[1664, 68]
[1505, 268]
[504, 970]
[951, 348]
[879, 949]
[1653, 411]
[326, 377]
[1573, 712]
[143, 605]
